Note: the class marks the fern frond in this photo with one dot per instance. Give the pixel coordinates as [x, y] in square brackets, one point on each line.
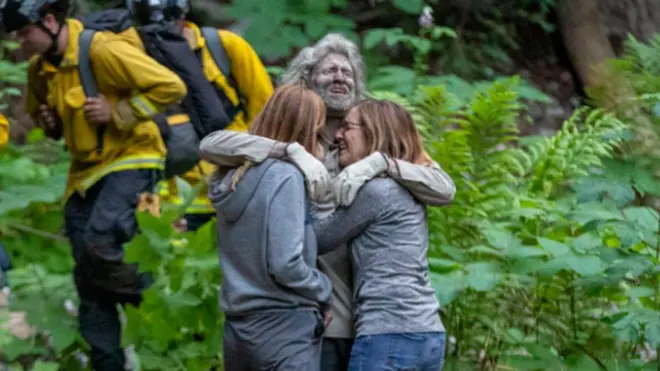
[587, 137]
[436, 106]
[643, 56]
[492, 117]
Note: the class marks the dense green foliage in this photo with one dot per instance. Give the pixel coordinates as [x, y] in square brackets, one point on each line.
[545, 260]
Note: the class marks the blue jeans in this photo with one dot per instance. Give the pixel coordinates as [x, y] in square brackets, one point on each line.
[424, 351]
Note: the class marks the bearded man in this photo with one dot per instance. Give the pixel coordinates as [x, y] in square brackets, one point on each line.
[333, 67]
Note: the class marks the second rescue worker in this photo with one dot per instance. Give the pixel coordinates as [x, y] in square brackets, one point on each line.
[116, 148]
[244, 91]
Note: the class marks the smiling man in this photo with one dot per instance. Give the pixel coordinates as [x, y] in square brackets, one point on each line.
[333, 68]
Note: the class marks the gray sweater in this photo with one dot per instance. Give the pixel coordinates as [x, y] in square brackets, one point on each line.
[387, 235]
[266, 243]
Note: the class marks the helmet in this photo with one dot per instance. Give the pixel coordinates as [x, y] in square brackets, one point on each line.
[17, 14]
[156, 11]
[175, 9]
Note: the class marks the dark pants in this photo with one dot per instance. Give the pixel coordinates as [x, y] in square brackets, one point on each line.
[98, 225]
[406, 351]
[196, 221]
[273, 341]
[335, 354]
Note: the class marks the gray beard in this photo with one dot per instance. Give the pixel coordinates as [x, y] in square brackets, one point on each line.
[335, 104]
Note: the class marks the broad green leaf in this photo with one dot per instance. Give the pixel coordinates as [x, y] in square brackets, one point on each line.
[643, 217]
[586, 242]
[183, 300]
[652, 334]
[585, 265]
[409, 6]
[442, 265]
[483, 276]
[501, 238]
[521, 252]
[640, 292]
[373, 38]
[448, 287]
[45, 366]
[555, 248]
[586, 213]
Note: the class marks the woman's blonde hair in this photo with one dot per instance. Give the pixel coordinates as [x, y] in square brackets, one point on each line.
[294, 113]
[389, 128]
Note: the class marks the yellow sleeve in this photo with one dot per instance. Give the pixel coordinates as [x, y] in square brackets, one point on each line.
[248, 71]
[4, 131]
[123, 66]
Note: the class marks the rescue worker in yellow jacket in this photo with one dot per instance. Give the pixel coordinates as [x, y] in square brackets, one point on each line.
[244, 92]
[4, 130]
[117, 153]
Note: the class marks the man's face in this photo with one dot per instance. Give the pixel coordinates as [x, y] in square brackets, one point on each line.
[34, 40]
[333, 80]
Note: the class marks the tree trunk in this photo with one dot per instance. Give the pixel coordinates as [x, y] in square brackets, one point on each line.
[641, 18]
[586, 43]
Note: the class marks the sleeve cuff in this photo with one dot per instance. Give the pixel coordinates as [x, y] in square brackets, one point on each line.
[123, 116]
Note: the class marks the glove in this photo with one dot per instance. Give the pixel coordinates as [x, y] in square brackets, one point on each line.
[347, 184]
[316, 175]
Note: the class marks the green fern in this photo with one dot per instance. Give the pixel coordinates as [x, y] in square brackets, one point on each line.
[586, 138]
[630, 90]
[478, 145]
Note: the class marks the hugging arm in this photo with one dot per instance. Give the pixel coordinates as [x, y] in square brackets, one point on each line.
[430, 185]
[346, 223]
[232, 148]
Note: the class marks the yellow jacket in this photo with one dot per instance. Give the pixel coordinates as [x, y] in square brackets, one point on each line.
[4, 131]
[137, 88]
[251, 78]
[255, 85]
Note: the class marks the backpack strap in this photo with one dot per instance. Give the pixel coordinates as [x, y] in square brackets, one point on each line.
[87, 79]
[217, 50]
[221, 59]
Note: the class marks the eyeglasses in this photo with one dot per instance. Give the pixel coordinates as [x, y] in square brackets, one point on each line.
[346, 125]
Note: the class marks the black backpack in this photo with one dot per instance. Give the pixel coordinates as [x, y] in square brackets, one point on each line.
[219, 55]
[202, 103]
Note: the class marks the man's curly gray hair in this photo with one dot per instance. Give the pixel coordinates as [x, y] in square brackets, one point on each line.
[302, 66]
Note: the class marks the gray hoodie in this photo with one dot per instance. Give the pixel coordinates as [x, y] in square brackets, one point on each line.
[266, 243]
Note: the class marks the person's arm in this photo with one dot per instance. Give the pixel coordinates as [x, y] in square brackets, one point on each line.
[249, 72]
[286, 241]
[346, 223]
[36, 102]
[430, 185]
[123, 66]
[4, 131]
[225, 148]
[232, 148]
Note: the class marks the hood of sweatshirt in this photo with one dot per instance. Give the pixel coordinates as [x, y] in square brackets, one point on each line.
[230, 204]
